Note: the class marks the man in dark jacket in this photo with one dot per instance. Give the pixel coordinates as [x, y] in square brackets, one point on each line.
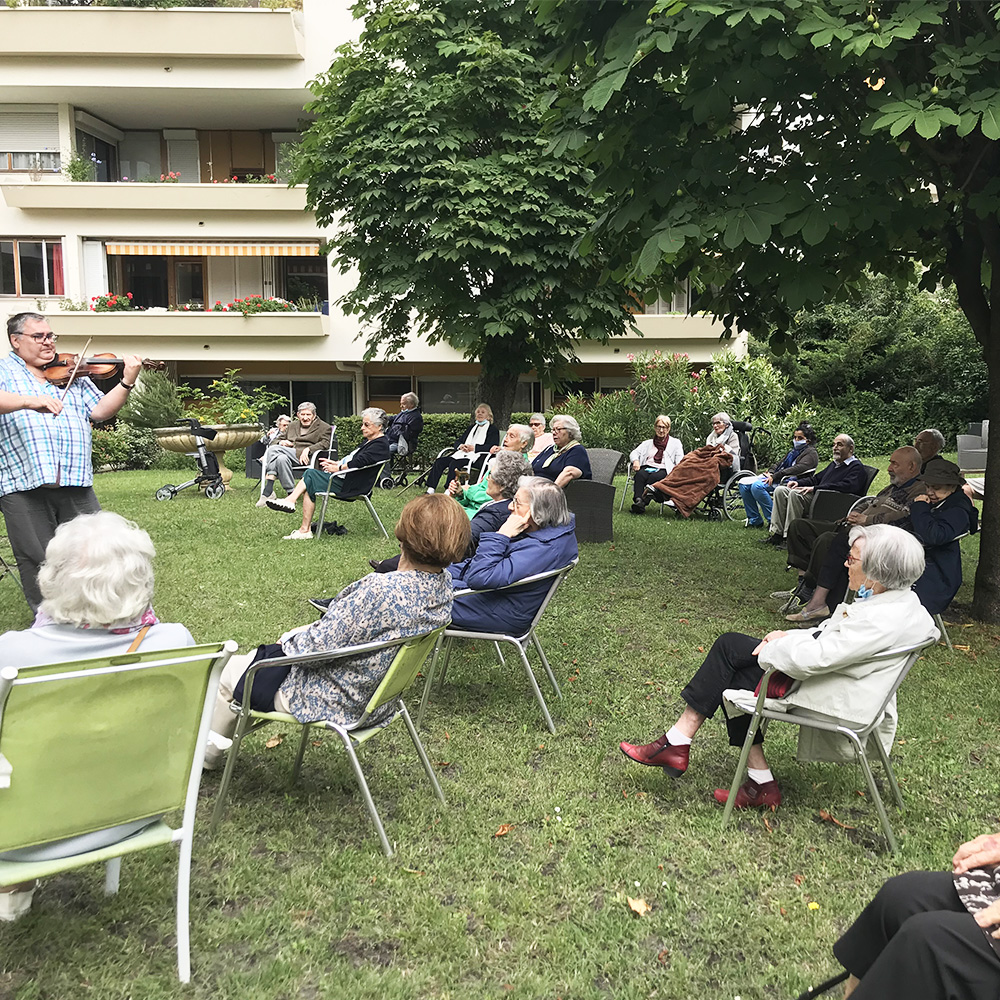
[845, 474]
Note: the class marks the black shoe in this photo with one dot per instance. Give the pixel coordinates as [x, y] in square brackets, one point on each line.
[321, 603]
[772, 539]
[638, 507]
[375, 563]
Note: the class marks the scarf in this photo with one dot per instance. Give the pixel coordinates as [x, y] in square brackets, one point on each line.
[659, 443]
[717, 439]
[144, 620]
[556, 453]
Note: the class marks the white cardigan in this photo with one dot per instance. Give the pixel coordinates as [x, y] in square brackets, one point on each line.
[673, 452]
[837, 679]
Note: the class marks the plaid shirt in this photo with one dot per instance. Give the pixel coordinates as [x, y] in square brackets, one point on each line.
[40, 448]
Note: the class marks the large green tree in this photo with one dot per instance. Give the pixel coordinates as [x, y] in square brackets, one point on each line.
[775, 151]
[459, 220]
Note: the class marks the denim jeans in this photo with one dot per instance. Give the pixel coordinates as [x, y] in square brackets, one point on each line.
[756, 493]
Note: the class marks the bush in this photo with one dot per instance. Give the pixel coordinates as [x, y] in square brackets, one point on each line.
[110, 450]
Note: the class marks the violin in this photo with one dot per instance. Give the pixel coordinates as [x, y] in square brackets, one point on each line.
[63, 368]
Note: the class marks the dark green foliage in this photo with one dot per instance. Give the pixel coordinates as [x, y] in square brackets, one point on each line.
[460, 221]
[154, 403]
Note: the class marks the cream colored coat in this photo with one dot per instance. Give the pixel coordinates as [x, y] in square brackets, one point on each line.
[838, 681]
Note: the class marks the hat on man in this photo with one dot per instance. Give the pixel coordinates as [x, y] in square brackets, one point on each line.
[942, 473]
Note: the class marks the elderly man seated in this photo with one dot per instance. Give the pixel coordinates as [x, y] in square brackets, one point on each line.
[845, 474]
[517, 439]
[815, 546]
[374, 450]
[305, 434]
[405, 427]
[930, 443]
[566, 459]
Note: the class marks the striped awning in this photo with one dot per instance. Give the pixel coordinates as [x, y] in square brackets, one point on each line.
[120, 249]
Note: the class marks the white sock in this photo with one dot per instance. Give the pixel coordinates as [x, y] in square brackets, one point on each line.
[677, 739]
[760, 774]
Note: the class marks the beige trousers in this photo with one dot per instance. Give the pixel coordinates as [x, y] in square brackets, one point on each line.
[224, 718]
[788, 505]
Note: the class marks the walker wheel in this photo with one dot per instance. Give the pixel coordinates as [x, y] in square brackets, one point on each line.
[387, 483]
[166, 493]
[714, 514]
[215, 491]
[403, 481]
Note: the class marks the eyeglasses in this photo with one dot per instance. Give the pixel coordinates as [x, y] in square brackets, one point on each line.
[852, 560]
[41, 338]
[535, 423]
[519, 503]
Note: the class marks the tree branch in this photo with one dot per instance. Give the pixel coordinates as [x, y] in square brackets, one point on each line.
[964, 262]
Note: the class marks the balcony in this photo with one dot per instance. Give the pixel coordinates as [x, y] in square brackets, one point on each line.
[203, 326]
[123, 33]
[144, 197]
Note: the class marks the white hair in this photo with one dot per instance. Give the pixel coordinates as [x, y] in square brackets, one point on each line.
[724, 417]
[889, 555]
[412, 400]
[524, 434]
[569, 424]
[98, 571]
[375, 415]
[547, 501]
[935, 434]
[306, 406]
[538, 416]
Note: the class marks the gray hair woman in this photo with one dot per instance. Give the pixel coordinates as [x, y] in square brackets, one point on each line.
[724, 435]
[97, 587]
[537, 537]
[370, 456]
[519, 438]
[543, 439]
[566, 459]
[827, 670]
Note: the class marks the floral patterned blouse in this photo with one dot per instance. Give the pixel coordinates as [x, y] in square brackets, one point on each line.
[376, 608]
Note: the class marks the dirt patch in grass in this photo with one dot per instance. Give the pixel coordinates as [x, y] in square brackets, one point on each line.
[359, 951]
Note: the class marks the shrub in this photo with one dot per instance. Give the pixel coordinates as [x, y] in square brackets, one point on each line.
[110, 449]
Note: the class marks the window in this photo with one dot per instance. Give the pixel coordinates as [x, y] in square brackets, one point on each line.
[31, 267]
[29, 137]
[303, 278]
[388, 387]
[656, 305]
[104, 155]
[139, 156]
[585, 387]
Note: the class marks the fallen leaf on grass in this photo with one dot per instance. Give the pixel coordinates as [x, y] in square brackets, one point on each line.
[663, 956]
[275, 741]
[413, 871]
[447, 735]
[317, 743]
[770, 829]
[684, 621]
[442, 763]
[638, 906]
[504, 829]
[782, 911]
[964, 649]
[828, 817]
[798, 880]
[701, 649]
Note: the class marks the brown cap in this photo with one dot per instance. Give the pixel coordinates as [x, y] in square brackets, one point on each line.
[942, 473]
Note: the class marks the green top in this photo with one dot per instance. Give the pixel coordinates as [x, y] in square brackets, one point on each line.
[473, 497]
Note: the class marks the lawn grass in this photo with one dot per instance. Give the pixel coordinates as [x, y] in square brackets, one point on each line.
[293, 898]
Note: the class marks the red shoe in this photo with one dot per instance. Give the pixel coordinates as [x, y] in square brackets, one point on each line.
[750, 795]
[659, 753]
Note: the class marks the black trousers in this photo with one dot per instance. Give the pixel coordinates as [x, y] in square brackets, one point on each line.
[32, 517]
[916, 941]
[828, 565]
[729, 664]
[802, 537]
[646, 477]
[452, 465]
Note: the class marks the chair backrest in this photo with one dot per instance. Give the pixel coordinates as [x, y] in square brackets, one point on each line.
[603, 462]
[402, 671]
[555, 575]
[871, 473]
[101, 742]
[912, 654]
[359, 482]
[748, 461]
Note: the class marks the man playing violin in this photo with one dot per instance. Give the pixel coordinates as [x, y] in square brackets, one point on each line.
[46, 474]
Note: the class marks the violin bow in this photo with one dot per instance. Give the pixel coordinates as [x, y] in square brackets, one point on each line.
[76, 368]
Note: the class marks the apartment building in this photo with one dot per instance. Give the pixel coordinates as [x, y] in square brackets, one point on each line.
[179, 118]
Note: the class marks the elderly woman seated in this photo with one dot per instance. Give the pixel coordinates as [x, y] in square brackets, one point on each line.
[927, 935]
[756, 493]
[566, 459]
[97, 588]
[538, 536]
[374, 450]
[653, 460]
[516, 441]
[543, 439]
[508, 469]
[829, 666]
[724, 434]
[471, 447]
[433, 532]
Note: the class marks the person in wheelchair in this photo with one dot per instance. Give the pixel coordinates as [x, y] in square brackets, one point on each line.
[756, 493]
[653, 460]
[404, 428]
[724, 435]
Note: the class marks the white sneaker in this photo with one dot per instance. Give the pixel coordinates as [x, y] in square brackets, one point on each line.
[14, 905]
[262, 502]
[431, 491]
[215, 751]
[297, 535]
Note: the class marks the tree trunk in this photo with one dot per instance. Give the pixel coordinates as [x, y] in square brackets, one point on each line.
[497, 385]
[986, 600]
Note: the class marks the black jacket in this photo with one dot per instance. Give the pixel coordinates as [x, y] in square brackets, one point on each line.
[406, 424]
[937, 526]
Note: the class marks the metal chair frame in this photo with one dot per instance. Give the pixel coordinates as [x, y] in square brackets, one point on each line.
[250, 721]
[366, 497]
[857, 736]
[496, 638]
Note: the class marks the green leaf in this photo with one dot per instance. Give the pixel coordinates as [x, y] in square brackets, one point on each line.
[649, 259]
[927, 124]
[816, 227]
[902, 123]
[597, 97]
[991, 123]
[969, 120]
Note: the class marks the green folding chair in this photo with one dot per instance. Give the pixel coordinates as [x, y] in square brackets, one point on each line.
[413, 651]
[860, 736]
[86, 747]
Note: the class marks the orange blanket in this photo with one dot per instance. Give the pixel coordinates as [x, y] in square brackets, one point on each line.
[694, 477]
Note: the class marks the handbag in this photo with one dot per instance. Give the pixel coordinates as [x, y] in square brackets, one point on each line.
[778, 685]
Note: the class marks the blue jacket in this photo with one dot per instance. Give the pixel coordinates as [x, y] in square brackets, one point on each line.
[842, 478]
[577, 457]
[487, 519]
[500, 560]
[937, 527]
[406, 424]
